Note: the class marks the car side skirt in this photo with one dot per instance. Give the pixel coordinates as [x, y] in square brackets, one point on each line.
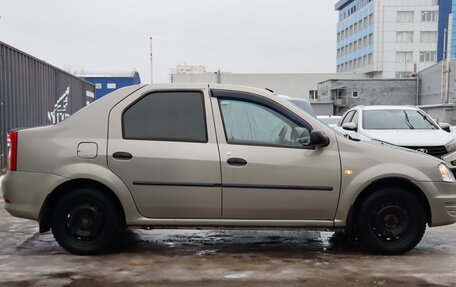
[225, 223]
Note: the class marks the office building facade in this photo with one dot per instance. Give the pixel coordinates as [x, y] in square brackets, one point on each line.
[387, 38]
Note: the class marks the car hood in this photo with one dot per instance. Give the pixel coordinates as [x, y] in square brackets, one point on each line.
[411, 137]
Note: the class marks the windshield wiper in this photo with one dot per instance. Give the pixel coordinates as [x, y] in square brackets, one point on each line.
[428, 121]
[407, 121]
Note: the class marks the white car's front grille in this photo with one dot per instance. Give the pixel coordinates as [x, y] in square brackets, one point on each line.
[436, 151]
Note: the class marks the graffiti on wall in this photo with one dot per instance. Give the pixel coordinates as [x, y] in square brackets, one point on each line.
[59, 113]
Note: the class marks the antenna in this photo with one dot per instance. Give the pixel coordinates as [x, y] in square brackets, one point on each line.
[151, 63]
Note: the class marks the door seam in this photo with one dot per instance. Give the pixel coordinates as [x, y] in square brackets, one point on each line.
[220, 156]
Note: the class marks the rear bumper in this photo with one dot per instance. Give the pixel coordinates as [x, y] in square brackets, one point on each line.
[26, 192]
[442, 201]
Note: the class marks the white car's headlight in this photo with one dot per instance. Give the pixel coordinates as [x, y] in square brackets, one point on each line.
[451, 146]
[446, 173]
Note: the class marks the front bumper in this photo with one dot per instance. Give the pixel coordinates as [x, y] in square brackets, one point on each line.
[26, 192]
[442, 201]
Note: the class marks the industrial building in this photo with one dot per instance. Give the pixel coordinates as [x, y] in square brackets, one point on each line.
[35, 93]
[437, 88]
[387, 38]
[107, 83]
[190, 69]
[347, 93]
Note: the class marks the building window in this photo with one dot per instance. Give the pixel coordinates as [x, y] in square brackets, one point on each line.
[405, 16]
[111, 85]
[404, 57]
[355, 95]
[403, 75]
[98, 86]
[404, 37]
[429, 16]
[313, 95]
[428, 56]
[428, 36]
[371, 19]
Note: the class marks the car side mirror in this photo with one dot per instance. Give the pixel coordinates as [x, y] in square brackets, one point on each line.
[349, 126]
[318, 138]
[445, 126]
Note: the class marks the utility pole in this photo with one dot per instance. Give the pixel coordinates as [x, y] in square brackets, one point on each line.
[151, 63]
[444, 83]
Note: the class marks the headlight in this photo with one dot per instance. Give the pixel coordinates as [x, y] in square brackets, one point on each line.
[451, 146]
[446, 173]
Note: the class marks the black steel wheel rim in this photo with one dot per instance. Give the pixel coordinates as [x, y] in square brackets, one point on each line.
[84, 221]
[391, 221]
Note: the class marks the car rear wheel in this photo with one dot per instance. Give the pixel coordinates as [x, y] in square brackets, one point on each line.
[391, 221]
[85, 221]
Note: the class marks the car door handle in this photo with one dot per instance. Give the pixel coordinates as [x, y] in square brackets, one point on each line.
[237, 161]
[122, 155]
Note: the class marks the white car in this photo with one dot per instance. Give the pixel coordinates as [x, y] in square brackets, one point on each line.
[302, 104]
[331, 121]
[404, 126]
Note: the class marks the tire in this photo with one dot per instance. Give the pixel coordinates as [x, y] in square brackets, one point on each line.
[391, 221]
[85, 221]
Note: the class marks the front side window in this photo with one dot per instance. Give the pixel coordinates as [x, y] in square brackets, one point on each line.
[355, 118]
[347, 117]
[396, 119]
[254, 124]
[167, 116]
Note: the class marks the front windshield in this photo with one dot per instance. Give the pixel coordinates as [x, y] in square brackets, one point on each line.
[396, 120]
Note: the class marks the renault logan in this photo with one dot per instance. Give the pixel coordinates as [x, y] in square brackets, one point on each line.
[206, 156]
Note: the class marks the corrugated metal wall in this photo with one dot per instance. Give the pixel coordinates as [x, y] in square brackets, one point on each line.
[34, 93]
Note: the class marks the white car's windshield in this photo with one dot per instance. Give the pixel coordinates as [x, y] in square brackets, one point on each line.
[396, 120]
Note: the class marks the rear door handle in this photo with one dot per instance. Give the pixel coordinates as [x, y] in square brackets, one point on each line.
[235, 161]
[122, 155]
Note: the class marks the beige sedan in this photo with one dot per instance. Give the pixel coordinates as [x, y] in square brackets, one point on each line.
[205, 156]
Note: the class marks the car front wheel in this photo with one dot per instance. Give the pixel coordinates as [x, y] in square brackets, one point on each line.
[85, 221]
[391, 221]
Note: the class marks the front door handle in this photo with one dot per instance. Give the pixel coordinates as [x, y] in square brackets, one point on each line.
[235, 161]
[122, 155]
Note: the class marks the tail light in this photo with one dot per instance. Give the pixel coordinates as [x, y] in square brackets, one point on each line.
[12, 150]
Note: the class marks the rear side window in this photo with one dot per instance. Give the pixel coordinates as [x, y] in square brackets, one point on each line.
[167, 116]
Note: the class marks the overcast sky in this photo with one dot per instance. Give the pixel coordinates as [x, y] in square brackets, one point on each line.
[239, 36]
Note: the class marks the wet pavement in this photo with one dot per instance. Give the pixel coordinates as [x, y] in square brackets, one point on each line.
[221, 258]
